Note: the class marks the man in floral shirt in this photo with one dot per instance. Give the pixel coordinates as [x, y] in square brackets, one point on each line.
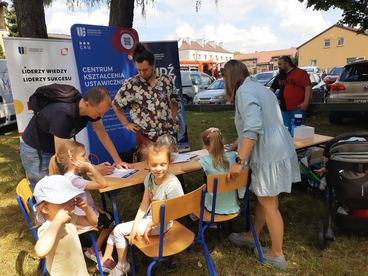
[151, 99]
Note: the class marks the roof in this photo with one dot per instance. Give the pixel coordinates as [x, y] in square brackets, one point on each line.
[335, 25]
[266, 56]
[194, 45]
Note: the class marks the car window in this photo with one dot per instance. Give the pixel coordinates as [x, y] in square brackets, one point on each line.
[336, 70]
[264, 76]
[217, 84]
[357, 72]
[196, 80]
[205, 80]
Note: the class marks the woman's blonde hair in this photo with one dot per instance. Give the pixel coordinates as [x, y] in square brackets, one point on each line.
[212, 139]
[60, 162]
[154, 148]
[235, 73]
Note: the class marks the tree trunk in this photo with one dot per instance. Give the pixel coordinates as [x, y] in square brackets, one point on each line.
[30, 18]
[121, 13]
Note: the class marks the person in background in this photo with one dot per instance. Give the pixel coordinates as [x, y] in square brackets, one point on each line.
[295, 90]
[267, 147]
[58, 241]
[152, 100]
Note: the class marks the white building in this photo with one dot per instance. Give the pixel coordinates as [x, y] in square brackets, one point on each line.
[202, 50]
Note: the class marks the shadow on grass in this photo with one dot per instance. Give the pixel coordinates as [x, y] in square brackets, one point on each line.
[19, 262]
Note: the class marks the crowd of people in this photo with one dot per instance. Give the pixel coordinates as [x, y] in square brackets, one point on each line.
[56, 167]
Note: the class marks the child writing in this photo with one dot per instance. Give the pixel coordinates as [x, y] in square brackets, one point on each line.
[216, 162]
[58, 241]
[159, 184]
[71, 158]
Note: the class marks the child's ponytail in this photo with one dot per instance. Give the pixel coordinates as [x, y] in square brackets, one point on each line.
[213, 140]
[62, 157]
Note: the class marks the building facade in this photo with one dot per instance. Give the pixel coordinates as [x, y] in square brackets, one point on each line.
[202, 50]
[264, 60]
[336, 46]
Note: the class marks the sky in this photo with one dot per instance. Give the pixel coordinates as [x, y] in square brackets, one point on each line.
[242, 25]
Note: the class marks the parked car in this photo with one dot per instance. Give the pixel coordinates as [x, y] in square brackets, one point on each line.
[332, 76]
[214, 94]
[311, 69]
[318, 88]
[264, 77]
[350, 88]
[7, 112]
[192, 82]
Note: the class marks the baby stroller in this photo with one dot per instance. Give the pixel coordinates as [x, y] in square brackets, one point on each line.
[347, 186]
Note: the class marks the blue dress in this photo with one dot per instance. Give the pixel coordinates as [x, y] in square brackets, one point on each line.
[226, 202]
[273, 161]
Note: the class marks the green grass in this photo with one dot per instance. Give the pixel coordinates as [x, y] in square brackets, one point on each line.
[347, 255]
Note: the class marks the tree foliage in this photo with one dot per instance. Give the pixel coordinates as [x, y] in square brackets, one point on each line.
[355, 12]
[11, 21]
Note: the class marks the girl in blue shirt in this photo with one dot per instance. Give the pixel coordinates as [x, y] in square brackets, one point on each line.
[216, 162]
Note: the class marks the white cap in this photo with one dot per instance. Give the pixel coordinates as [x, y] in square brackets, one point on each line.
[56, 189]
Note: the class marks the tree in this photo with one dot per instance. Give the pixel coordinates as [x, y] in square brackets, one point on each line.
[11, 21]
[30, 18]
[354, 11]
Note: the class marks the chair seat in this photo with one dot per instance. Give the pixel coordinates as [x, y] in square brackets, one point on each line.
[218, 218]
[176, 240]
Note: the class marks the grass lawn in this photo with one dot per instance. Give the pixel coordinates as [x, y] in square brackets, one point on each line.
[347, 255]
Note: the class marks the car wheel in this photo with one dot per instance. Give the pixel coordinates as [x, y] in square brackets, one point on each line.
[336, 117]
[186, 99]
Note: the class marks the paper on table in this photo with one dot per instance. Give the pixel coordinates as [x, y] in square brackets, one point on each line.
[184, 157]
[122, 173]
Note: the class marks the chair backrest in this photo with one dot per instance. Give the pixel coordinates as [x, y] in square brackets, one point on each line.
[24, 192]
[24, 199]
[178, 207]
[224, 184]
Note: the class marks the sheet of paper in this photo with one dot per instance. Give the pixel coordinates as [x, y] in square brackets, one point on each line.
[184, 157]
[122, 173]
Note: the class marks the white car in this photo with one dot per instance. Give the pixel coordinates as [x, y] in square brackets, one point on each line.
[214, 94]
[264, 77]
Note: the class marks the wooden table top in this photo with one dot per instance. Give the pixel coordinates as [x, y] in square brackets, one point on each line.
[316, 140]
[138, 177]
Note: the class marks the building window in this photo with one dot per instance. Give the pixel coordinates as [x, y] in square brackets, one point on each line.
[327, 43]
[205, 57]
[313, 62]
[199, 56]
[340, 41]
[210, 57]
[194, 56]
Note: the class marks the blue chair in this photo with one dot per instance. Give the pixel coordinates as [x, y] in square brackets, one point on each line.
[178, 237]
[24, 199]
[219, 183]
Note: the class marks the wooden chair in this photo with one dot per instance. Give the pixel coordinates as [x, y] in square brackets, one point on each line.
[24, 199]
[178, 237]
[90, 231]
[220, 183]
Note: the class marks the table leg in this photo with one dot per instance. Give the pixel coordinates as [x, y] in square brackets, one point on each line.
[103, 201]
[113, 195]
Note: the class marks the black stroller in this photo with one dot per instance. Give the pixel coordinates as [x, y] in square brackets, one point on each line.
[347, 186]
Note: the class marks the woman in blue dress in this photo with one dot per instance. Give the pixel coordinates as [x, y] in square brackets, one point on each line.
[267, 147]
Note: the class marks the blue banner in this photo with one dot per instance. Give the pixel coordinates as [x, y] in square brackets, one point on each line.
[103, 59]
[167, 62]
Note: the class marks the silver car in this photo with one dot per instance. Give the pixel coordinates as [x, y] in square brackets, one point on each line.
[214, 94]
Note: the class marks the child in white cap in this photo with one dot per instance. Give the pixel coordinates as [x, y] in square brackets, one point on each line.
[58, 241]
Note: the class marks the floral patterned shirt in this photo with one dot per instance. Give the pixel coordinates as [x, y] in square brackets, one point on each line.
[149, 107]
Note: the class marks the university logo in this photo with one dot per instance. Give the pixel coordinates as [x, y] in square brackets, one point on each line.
[23, 50]
[64, 51]
[81, 31]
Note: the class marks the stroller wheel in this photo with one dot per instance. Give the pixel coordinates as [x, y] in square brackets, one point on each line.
[321, 235]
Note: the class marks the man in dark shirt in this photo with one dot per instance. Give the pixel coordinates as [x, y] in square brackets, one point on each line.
[57, 123]
[295, 89]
